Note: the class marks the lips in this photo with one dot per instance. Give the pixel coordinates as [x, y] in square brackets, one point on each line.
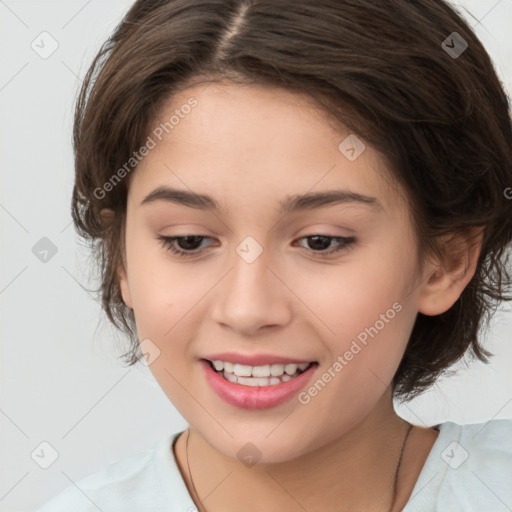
[256, 396]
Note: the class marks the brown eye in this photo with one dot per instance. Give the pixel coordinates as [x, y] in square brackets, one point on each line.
[187, 245]
[319, 243]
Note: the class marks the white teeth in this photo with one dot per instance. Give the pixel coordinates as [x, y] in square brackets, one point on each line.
[249, 381]
[267, 375]
[242, 370]
[276, 370]
[231, 377]
[290, 369]
[255, 381]
[261, 371]
[219, 365]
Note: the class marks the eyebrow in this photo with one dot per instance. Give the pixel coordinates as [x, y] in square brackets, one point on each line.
[290, 204]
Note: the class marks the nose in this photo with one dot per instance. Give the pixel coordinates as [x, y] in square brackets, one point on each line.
[253, 296]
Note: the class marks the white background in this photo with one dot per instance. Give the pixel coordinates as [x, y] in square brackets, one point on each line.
[60, 381]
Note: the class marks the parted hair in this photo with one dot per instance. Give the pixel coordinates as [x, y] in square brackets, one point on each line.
[392, 71]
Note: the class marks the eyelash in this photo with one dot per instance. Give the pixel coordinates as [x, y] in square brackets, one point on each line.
[168, 243]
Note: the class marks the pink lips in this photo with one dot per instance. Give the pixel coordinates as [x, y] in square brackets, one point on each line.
[258, 397]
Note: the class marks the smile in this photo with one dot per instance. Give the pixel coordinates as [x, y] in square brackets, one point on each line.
[266, 375]
[257, 387]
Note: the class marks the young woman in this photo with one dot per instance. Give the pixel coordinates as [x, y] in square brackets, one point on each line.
[300, 212]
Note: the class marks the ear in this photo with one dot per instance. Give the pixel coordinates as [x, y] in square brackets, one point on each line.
[448, 278]
[107, 215]
[123, 284]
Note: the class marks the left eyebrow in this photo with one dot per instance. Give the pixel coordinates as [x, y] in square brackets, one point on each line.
[290, 204]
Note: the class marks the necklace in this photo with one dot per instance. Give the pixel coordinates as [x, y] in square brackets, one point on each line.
[394, 485]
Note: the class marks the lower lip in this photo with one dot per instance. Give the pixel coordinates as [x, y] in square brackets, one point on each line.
[257, 397]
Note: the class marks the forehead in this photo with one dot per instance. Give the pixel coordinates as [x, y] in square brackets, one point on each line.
[248, 141]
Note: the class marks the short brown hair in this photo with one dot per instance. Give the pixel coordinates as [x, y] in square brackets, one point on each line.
[441, 120]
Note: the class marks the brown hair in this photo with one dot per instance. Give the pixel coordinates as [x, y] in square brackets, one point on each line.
[442, 121]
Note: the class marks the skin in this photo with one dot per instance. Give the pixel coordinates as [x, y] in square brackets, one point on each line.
[249, 147]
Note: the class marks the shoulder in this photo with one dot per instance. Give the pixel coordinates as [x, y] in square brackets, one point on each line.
[478, 465]
[486, 447]
[129, 484]
[468, 469]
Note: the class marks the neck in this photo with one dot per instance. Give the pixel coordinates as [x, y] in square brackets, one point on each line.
[355, 471]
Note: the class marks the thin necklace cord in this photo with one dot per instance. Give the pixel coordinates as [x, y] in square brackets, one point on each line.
[395, 479]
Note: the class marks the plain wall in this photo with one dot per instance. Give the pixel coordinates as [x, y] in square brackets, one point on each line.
[60, 381]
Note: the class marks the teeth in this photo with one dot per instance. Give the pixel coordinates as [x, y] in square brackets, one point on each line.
[219, 365]
[255, 381]
[290, 369]
[274, 370]
[242, 370]
[251, 381]
[230, 376]
[267, 375]
[261, 371]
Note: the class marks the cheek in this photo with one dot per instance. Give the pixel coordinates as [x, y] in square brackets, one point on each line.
[353, 295]
[365, 311]
[165, 301]
[162, 291]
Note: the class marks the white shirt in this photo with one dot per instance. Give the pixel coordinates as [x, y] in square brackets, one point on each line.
[469, 468]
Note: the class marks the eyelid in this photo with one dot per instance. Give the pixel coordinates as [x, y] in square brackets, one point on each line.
[345, 243]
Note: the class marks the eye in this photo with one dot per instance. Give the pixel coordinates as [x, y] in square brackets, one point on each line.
[321, 242]
[189, 244]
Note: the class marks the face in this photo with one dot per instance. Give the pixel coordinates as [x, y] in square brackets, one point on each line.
[333, 283]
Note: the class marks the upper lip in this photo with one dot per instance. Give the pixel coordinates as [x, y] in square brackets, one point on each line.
[254, 359]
